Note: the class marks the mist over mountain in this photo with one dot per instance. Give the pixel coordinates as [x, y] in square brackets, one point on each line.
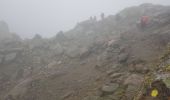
[47, 18]
[124, 56]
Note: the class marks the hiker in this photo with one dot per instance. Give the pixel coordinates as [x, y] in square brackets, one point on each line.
[94, 18]
[102, 16]
[144, 21]
[118, 17]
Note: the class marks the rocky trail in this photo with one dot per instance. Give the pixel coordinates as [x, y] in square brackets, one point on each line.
[108, 59]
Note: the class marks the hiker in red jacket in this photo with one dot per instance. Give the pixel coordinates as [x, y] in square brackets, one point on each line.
[144, 21]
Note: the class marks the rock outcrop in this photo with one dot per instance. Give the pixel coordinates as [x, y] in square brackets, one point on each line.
[104, 59]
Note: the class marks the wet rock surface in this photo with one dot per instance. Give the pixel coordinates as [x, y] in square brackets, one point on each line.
[110, 88]
[110, 56]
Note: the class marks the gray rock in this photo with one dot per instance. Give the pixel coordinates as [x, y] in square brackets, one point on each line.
[107, 89]
[72, 51]
[83, 62]
[119, 93]
[123, 57]
[58, 49]
[134, 79]
[91, 98]
[115, 66]
[139, 68]
[111, 42]
[115, 75]
[60, 37]
[67, 95]
[84, 52]
[131, 92]
[10, 57]
[59, 62]
[132, 88]
[113, 69]
[110, 72]
[162, 76]
[1, 58]
[143, 69]
[52, 64]
[167, 61]
[27, 71]
[4, 27]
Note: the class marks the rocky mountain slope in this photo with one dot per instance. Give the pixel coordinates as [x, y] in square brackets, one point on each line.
[104, 59]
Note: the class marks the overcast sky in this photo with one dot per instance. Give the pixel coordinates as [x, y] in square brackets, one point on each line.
[47, 17]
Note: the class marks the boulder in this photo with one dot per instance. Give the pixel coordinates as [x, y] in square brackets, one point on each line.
[131, 92]
[60, 37]
[27, 71]
[142, 68]
[167, 61]
[111, 42]
[1, 58]
[9, 97]
[4, 27]
[37, 37]
[139, 68]
[84, 52]
[10, 57]
[119, 93]
[110, 72]
[134, 79]
[123, 57]
[57, 49]
[72, 51]
[67, 95]
[131, 88]
[115, 75]
[91, 98]
[59, 62]
[109, 89]
[52, 64]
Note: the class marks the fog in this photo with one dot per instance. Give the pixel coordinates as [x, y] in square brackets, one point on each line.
[47, 17]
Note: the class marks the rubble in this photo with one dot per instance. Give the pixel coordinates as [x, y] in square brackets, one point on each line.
[95, 54]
